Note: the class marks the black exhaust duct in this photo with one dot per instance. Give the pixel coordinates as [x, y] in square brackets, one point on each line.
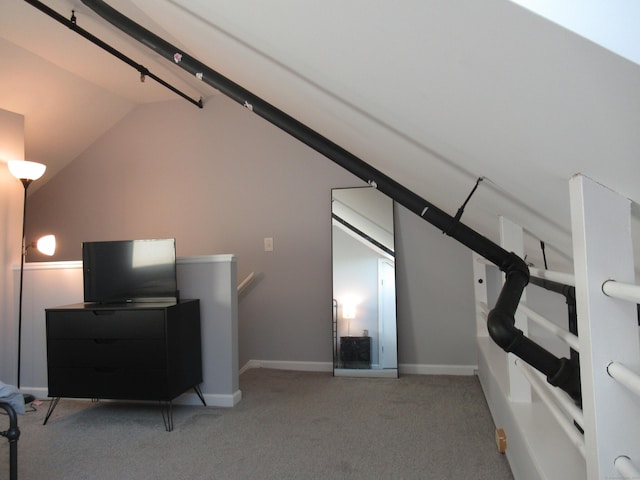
[560, 372]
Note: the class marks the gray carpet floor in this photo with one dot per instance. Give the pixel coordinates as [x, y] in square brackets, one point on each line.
[289, 425]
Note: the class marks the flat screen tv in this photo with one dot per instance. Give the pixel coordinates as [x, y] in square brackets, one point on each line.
[125, 271]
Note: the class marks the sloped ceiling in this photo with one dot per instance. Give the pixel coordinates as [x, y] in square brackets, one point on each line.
[433, 93]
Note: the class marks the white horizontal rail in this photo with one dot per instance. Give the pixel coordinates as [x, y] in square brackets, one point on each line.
[545, 394]
[563, 334]
[626, 468]
[624, 291]
[625, 377]
[246, 282]
[480, 259]
[559, 277]
[563, 399]
[484, 309]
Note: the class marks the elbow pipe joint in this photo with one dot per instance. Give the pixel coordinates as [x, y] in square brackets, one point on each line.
[501, 320]
[502, 330]
[567, 377]
[562, 373]
[512, 263]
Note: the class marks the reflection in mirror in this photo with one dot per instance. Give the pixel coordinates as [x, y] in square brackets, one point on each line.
[364, 296]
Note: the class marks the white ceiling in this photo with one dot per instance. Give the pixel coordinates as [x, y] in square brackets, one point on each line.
[434, 93]
[610, 23]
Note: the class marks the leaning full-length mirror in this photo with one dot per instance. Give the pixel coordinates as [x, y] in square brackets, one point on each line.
[364, 295]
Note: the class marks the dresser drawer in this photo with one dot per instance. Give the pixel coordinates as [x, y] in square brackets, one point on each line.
[88, 352]
[105, 324]
[108, 383]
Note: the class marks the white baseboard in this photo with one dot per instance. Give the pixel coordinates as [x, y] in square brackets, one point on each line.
[366, 373]
[288, 365]
[38, 392]
[212, 399]
[405, 368]
[417, 369]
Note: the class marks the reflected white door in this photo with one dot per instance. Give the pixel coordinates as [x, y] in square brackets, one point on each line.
[388, 346]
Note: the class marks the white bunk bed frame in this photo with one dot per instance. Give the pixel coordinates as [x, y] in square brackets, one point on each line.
[548, 436]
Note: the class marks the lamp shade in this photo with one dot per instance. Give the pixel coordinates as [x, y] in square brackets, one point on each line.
[348, 310]
[23, 169]
[47, 245]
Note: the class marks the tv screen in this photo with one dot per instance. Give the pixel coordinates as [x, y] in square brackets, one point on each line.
[129, 271]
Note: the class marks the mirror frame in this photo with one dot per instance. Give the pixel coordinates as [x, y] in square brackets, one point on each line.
[385, 252]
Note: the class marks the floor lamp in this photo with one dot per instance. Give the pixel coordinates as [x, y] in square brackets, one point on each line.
[27, 172]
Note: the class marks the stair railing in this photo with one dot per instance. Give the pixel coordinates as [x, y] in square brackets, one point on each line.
[244, 284]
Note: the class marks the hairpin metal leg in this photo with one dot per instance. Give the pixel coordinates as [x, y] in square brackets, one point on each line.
[166, 408]
[52, 406]
[200, 396]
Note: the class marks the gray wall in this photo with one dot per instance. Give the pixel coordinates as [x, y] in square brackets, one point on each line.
[221, 179]
[435, 295]
[11, 197]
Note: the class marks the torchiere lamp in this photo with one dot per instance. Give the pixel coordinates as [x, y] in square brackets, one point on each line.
[27, 172]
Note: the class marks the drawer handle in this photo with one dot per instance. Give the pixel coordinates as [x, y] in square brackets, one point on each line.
[105, 341]
[104, 312]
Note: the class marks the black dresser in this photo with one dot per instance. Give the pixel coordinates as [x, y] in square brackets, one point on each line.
[132, 351]
[355, 352]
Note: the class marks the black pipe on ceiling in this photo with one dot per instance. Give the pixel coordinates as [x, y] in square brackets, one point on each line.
[323, 145]
[363, 235]
[144, 72]
[501, 320]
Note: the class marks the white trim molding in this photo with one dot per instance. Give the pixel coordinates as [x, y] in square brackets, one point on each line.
[422, 369]
[409, 369]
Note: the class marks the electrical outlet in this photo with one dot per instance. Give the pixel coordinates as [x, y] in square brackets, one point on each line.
[268, 244]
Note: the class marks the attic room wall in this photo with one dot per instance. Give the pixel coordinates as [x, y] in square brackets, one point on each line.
[11, 197]
[221, 179]
[435, 291]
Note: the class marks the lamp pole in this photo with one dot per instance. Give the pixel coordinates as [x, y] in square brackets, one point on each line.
[26, 172]
[26, 182]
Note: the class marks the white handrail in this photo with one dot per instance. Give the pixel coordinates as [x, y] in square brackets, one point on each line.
[565, 335]
[626, 468]
[544, 392]
[246, 282]
[624, 291]
[560, 277]
[625, 376]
